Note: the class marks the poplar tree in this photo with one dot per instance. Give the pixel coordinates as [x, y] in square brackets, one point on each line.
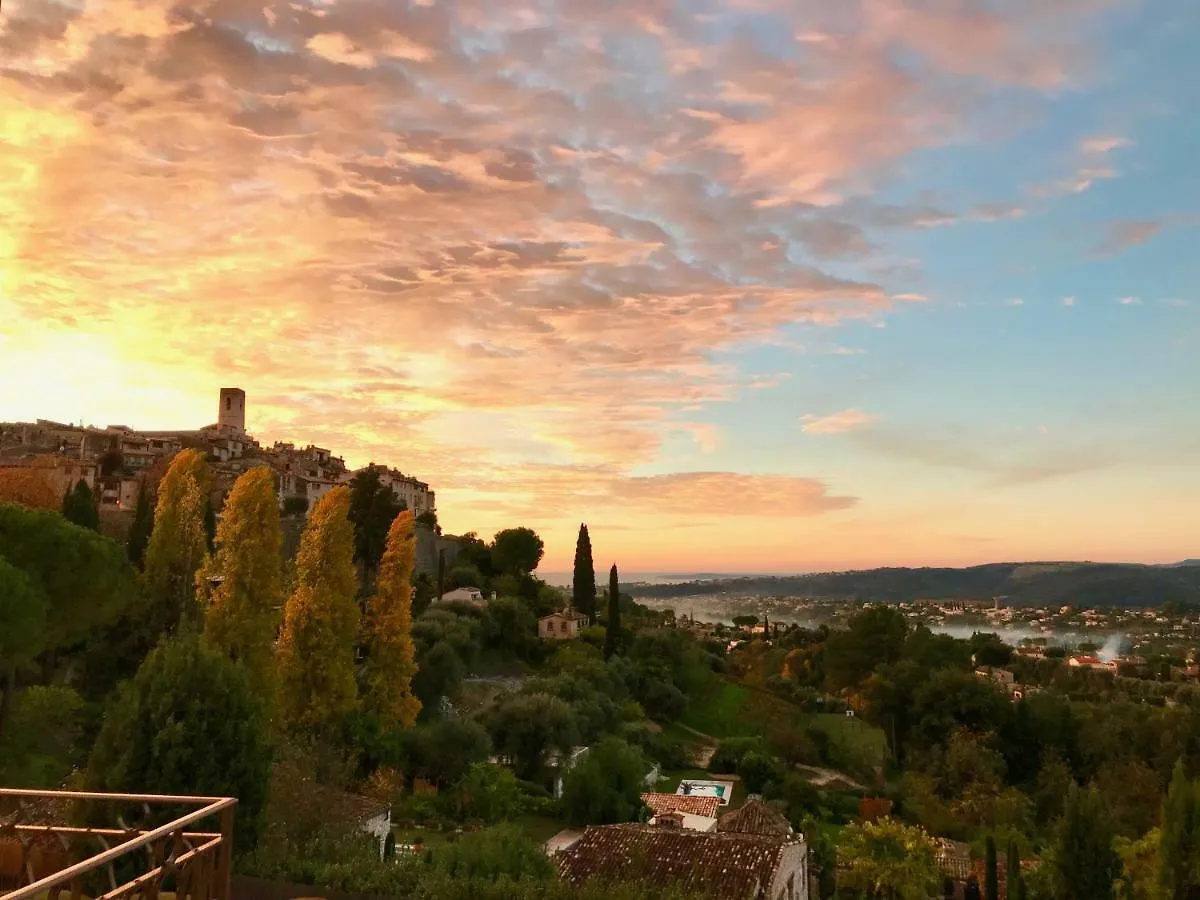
[583, 581]
[612, 633]
[320, 621]
[391, 659]
[242, 614]
[178, 542]
[79, 506]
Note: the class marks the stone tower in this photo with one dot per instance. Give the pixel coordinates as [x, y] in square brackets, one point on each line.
[232, 414]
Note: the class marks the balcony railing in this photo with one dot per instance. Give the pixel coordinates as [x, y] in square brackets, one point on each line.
[40, 859]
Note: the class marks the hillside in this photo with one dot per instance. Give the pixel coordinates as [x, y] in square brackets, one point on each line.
[1028, 584]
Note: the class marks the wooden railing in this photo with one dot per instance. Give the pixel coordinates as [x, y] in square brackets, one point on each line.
[48, 858]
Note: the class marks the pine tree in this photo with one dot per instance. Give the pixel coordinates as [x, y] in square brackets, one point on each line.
[583, 583]
[1175, 855]
[991, 874]
[320, 622]
[391, 660]
[1087, 863]
[612, 633]
[79, 506]
[1012, 878]
[143, 524]
[178, 542]
[242, 614]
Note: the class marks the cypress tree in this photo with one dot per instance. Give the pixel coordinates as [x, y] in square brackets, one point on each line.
[79, 506]
[143, 524]
[320, 622]
[1178, 836]
[441, 574]
[1087, 863]
[583, 583]
[991, 875]
[612, 633]
[1012, 885]
[391, 659]
[242, 615]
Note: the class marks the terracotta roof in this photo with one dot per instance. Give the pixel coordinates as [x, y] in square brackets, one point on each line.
[755, 817]
[725, 866]
[692, 806]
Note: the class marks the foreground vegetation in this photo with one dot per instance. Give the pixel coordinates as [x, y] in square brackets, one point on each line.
[160, 671]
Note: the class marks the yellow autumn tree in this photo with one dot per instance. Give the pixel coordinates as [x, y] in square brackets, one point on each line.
[30, 486]
[391, 660]
[178, 542]
[316, 686]
[242, 583]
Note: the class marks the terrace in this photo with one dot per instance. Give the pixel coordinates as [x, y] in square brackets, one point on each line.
[49, 844]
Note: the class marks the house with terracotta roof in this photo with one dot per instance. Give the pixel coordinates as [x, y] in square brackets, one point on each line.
[755, 817]
[723, 866]
[696, 813]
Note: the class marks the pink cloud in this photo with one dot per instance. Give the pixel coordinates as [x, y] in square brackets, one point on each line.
[838, 422]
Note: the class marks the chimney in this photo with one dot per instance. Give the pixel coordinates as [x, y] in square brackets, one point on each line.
[671, 819]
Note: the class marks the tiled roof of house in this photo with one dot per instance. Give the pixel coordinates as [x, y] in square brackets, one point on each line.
[755, 817]
[725, 866]
[692, 806]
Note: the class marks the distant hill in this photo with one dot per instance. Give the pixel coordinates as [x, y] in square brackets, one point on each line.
[1025, 584]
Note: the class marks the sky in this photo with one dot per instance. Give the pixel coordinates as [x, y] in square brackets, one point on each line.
[746, 285]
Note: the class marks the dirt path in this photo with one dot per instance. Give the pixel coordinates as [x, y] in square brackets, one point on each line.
[825, 777]
[703, 754]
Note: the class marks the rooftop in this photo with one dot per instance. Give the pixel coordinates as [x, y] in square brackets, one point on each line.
[729, 866]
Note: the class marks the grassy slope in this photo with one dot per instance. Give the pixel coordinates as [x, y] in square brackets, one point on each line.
[727, 709]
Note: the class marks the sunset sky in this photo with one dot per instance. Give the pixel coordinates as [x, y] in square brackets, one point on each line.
[747, 285]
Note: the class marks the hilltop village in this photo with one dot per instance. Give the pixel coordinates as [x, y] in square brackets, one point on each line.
[117, 462]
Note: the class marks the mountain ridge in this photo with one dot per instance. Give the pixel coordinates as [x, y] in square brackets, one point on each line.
[1035, 583]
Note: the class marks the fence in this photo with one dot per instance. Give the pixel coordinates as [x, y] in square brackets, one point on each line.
[44, 858]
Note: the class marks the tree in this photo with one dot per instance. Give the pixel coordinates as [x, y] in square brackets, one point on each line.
[746, 621]
[583, 580]
[526, 727]
[295, 506]
[85, 578]
[889, 859]
[373, 508]
[178, 542]
[991, 872]
[1012, 878]
[1085, 860]
[1177, 844]
[391, 659]
[243, 582]
[989, 650]
[605, 786]
[79, 506]
[444, 752]
[488, 792]
[320, 621]
[517, 551]
[440, 672]
[612, 625]
[189, 722]
[29, 486]
[142, 526]
[22, 630]
[875, 637]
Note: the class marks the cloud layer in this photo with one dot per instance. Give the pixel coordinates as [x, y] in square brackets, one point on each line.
[501, 245]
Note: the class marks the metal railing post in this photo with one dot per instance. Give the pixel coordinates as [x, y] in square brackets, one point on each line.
[224, 875]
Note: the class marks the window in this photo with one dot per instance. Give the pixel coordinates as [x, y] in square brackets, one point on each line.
[228, 403]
